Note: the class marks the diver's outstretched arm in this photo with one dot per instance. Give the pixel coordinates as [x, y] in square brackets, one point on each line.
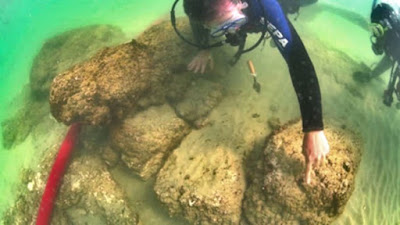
[302, 72]
[305, 82]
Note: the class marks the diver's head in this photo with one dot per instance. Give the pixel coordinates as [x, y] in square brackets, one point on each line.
[220, 16]
[383, 18]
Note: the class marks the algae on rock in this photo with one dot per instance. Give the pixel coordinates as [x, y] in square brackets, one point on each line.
[88, 195]
[111, 84]
[67, 49]
[57, 54]
[205, 188]
[147, 138]
[278, 194]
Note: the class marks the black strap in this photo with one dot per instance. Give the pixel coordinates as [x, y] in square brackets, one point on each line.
[241, 50]
[220, 43]
[173, 22]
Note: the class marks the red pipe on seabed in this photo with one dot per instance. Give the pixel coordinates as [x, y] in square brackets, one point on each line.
[56, 175]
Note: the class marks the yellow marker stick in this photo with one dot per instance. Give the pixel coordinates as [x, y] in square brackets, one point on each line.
[251, 67]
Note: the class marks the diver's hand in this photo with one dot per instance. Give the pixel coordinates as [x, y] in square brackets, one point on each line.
[315, 149]
[200, 61]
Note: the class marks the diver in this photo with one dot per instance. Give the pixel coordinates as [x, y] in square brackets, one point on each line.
[214, 19]
[385, 40]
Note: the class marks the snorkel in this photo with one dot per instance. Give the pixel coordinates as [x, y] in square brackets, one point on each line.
[235, 39]
[173, 22]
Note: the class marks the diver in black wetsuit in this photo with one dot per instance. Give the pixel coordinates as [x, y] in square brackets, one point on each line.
[385, 39]
[234, 19]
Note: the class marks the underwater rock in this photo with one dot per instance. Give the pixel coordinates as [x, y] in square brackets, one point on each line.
[172, 92]
[17, 128]
[199, 100]
[107, 84]
[66, 50]
[206, 188]
[88, 195]
[96, 139]
[147, 138]
[110, 84]
[278, 194]
[110, 156]
[170, 52]
[88, 188]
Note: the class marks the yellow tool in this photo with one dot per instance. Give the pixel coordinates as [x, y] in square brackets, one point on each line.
[256, 85]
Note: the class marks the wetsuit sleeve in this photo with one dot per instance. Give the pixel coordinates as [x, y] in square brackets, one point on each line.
[200, 33]
[302, 72]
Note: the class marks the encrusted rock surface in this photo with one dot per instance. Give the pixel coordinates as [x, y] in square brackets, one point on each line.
[57, 54]
[63, 51]
[278, 194]
[88, 195]
[199, 100]
[110, 84]
[147, 138]
[205, 188]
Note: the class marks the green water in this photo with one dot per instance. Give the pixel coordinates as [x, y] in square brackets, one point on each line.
[26, 24]
[24, 27]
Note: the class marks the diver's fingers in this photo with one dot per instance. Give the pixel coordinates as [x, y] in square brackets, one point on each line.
[203, 67]
[308, 172]
[191, 65]
[325, 153]
[327, 149]
[194, 64]
[323, 161]
[197, 67]
[319, 159]
[211, 64]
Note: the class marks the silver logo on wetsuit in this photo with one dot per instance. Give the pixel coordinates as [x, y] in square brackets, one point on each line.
[276, 33]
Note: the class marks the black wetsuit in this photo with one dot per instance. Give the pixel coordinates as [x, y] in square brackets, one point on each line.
[301, 69]
[392, 43]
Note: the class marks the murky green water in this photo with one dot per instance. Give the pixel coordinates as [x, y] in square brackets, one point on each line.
[26, 25]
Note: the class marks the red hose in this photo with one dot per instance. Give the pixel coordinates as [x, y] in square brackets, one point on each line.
[56, 174]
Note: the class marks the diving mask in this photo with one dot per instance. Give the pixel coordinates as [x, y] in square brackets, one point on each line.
[230, 26]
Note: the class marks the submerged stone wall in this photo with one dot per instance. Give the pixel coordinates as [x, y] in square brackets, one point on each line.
[154, 115]
[278, 194]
